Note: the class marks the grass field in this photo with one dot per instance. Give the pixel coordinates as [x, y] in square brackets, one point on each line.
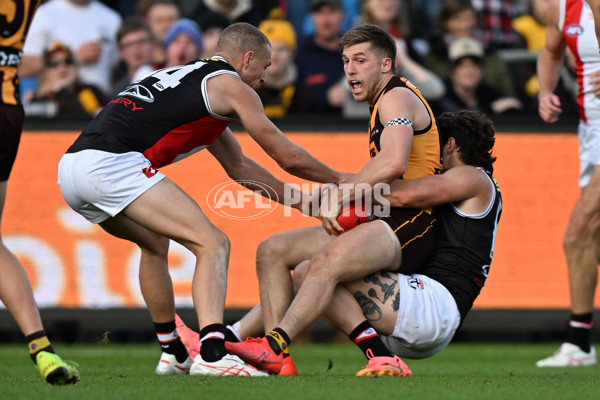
[461, 371]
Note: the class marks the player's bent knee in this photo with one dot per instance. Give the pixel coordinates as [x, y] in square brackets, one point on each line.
[216, 241]
[323, 266]
[299, 274]
[268, 250]
[158, 247]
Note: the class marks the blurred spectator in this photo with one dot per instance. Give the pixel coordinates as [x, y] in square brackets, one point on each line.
[270, 9]
[499, 33]
[395, 16]
[135, 42]
[319, 62]
[299, 15]
[183, 43]
[86, 26]
[125, 8]
[160, 15]
[465, 88]
[429, 11]
[458, 19]
[211, 25]
[532, 27]
[280, 93]
[386, 13]
[59, 92]
[234, 10]
[497, 16]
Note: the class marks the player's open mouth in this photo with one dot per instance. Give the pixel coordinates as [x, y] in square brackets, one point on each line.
[355, 85]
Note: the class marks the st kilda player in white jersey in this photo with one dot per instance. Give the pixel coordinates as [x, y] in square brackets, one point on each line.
[570, 23]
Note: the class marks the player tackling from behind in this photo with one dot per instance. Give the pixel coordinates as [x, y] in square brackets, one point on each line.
[390, 314]
[110, 176]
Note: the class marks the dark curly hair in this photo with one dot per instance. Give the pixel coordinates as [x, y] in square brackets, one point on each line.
[474, 135]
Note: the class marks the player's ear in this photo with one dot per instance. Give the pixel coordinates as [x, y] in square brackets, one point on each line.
[451, 144]
[386, 65]
[247, 57]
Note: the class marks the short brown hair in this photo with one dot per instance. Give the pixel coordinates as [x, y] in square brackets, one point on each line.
[380, 39]
[240, 37]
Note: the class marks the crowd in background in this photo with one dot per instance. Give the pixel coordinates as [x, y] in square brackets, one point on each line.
[461, 54]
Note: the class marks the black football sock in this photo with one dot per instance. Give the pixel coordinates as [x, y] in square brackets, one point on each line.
[580, 329]
[279, 341]
[212, 342]
[369, 341]
[169, 340]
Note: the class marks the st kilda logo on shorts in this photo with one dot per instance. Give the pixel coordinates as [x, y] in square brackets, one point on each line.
[149, 172]
[415, 283]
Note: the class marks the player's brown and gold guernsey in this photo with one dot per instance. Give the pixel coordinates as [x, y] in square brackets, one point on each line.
[15, 19]
[425, 151]
[413, 227]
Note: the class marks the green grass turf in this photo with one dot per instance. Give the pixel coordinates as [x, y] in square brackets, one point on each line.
[461, 371]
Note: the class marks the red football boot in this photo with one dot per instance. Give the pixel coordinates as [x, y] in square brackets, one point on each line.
[257, 352]
[380, 366]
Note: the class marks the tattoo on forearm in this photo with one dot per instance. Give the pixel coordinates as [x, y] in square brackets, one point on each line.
[371, 310]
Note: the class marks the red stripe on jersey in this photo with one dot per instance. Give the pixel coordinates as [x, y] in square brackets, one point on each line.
[184, 139]
[572, 30]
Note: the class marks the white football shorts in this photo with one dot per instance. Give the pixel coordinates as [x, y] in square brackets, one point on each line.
[99, 185]
[427, 318]
[589, 150]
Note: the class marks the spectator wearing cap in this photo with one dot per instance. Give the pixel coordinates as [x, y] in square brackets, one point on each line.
[211, 24]
[318, 59]
[465, 88]
[183, 43]
[458, 19]
[281, 94]
[60, 92]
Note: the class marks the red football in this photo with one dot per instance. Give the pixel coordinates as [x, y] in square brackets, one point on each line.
[350, 217]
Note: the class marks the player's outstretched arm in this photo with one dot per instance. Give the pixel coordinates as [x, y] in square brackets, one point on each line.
[227, 150]
[246, 105]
